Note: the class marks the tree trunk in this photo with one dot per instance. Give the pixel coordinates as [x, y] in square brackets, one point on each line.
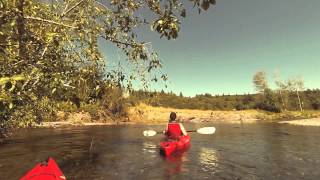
[282, 100]
[21, 31]
[299, 100]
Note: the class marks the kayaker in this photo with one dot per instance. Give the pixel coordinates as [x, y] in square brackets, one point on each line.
[174, 129]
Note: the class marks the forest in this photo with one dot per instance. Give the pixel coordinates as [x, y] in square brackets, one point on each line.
[287, 95]
[271, 101]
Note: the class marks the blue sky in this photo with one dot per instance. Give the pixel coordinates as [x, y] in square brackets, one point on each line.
[219, 51]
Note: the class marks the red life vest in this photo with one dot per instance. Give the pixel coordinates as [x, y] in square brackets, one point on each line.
[174, 130]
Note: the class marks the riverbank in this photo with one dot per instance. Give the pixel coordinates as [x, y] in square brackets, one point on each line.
[148, 114]
[154, 115]
[56, 124]
[144, 114]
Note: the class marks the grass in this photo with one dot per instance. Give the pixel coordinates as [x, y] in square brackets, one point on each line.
[143, 113]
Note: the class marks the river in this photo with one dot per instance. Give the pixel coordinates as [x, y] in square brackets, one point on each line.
[249, 151]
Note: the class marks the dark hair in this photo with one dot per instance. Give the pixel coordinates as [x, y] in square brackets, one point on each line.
[173, 116]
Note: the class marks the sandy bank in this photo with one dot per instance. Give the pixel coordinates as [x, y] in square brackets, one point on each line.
[303, 122]
[144, 114]
[148, 114]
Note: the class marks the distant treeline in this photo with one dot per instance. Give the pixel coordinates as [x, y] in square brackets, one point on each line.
[270, 100]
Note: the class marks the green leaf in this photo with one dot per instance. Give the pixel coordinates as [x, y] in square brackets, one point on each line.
[18, 78]
[13, 86]
[205, 5]
[212, 1]
[4, 80]
[183, 13]
[13, 23]
[54, 90]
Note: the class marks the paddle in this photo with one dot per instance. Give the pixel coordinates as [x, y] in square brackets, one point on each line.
[204, 130]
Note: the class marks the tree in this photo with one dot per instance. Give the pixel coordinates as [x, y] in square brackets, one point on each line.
[260, 81]
[49, 49]
[295, 85]
[282, 89]
[269, 102]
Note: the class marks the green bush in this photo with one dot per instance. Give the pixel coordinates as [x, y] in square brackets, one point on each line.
[268, 102]
[34, 113]
[114, 102]
[66, 106]
[92, 109]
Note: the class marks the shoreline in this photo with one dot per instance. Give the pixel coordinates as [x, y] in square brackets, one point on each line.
[58, 124]
[143, 113]
[148, 115]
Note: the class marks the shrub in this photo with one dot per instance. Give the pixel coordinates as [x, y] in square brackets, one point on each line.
[268, 102]
[115, 103]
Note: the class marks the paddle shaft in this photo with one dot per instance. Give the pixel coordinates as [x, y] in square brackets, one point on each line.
[162, 132]
[192, 131]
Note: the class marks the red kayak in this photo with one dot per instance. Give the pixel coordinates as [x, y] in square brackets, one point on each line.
[170, 146]
[48, 170]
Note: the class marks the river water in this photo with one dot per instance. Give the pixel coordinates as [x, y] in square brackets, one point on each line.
[252, 151]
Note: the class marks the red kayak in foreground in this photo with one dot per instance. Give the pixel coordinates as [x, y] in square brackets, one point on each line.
[170, 146]
[48, 170]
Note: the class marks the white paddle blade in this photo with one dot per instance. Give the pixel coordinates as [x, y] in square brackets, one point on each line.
[149, 133]
[206, 130]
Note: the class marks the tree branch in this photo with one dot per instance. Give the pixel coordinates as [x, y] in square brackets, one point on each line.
[117, 41]
[49, 21]
[99, 3]
[9, 45]
[21, 29]
[63, 14]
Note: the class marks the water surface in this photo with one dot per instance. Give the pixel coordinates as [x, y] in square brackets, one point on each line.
[255, 151]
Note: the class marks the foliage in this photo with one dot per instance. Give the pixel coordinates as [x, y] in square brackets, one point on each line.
[296, 85]
[50, 50]
[270, 101]
[285, 89]
[260, 81]
[114, 103]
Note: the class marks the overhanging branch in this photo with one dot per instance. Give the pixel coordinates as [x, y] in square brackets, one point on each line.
[118, 42]
[69, 10]
[48, 21]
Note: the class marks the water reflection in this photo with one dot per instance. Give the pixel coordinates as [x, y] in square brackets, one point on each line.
[149, 147]
[175, 163]
[208, 159]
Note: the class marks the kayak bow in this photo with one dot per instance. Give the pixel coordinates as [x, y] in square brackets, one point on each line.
[48, 170]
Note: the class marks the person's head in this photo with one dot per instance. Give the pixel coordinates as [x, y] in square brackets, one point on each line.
[173, 116]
